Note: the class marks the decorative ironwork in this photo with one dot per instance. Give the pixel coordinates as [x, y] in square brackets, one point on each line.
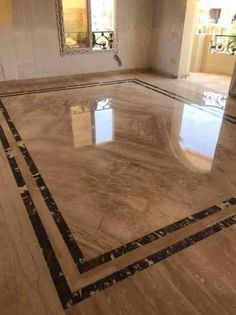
[213, 99]
[224, 44]
[100, 40]
[103, 40]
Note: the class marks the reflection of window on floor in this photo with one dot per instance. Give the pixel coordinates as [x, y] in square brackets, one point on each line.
[214, 100]
[103, 122]
[199, 135]
[92, 126]
[86, 25]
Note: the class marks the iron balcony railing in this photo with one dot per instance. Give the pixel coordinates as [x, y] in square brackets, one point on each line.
[224, 44]
[100, 39]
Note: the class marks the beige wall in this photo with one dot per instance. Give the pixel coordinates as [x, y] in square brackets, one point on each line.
[188, 37]
[232, 89]
[31, 47]
[197, 52]
[166, 43]
[204, 61]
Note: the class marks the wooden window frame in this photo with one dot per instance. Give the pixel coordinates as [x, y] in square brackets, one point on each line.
[65, 50]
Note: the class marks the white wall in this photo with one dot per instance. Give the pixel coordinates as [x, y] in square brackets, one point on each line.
[166, 43]
[29, 41]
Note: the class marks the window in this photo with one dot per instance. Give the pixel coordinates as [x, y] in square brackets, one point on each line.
[86, 25]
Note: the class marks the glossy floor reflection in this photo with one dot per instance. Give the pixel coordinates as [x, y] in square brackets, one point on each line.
[92, 125]
[122, 161]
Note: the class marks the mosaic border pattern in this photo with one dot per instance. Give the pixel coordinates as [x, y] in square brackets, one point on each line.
[67, 297]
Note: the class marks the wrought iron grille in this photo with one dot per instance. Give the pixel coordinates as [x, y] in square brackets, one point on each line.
[224, 44]
[103, 40]
[100, 40]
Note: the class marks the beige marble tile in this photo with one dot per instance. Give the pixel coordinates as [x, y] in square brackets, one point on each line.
[161, 160]
[120, 161]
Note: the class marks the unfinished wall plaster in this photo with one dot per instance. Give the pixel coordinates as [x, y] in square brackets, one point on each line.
[31, 47]
[166, 43]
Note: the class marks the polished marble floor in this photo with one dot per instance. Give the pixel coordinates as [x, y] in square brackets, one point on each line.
[217, 82]
[115, 175]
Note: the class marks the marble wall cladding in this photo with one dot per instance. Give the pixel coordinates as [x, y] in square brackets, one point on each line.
[31, 47]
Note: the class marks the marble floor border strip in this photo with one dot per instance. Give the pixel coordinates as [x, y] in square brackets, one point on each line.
[66, 87]
[231, 116]
[68, 298]
[73, 247]
[155, 87]
[232, 121]
[54, 267]
[227, 117]
[149, 261]
[155, 235]
[59, 220]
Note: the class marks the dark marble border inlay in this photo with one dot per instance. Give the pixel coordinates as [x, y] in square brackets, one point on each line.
[66, 87]
[66, 296]
[69, 298]
[227, 117]
[54, 267]
[59, 220]
[149, 261]
[160, 233]
[72, 245]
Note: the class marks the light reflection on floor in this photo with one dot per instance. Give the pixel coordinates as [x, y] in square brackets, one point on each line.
[200, 130]
[92, 125]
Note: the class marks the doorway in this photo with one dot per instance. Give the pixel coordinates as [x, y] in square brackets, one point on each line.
[213, 45]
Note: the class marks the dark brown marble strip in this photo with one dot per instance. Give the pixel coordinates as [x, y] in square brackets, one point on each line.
[66, 87]
[73, 247]
[232, 121]
[156, 89]
[166, 92]
[68, 298]
[47, 196]
[54, 267]
[183, 98]
[226, 117]
[114, 82]
[142, 241]
[230, 116]
[149, 261]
